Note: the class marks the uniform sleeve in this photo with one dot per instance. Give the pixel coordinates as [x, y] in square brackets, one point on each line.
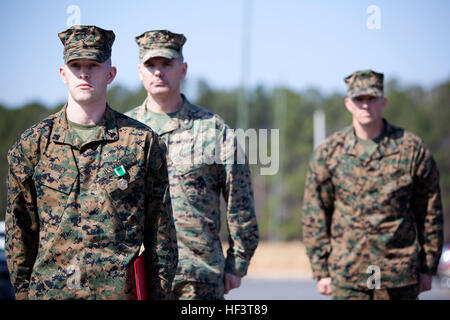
[237, 191]
[160, 239]
[427, 207]
[22, 223]
[318, 206]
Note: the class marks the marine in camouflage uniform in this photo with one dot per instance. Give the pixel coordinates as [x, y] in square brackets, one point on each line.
[79, 210]
[196, 138]
[377, 207]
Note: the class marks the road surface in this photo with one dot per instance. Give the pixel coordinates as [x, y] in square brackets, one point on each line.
[259, 289]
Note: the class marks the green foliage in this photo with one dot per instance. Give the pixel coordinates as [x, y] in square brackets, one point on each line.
[278, 198]
[12, 124]
[123, 100]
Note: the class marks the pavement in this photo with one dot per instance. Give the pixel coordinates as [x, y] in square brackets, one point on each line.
[281, 271]
[262, 289]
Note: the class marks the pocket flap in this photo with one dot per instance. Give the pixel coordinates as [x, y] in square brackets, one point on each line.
[133, 172]
[54, 176]
[189, 169]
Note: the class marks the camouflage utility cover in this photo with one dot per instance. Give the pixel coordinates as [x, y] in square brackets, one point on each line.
[74, 226]
[366, 82]
[160, 43]
[87, 42]
[196, 186]
[381, 210]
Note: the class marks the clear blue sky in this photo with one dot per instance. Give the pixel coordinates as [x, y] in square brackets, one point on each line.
[299, 44]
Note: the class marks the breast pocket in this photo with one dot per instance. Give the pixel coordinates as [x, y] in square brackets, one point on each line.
[53, 184]
[397, 190]
[347, 181]
[127, 197]
[194, 183]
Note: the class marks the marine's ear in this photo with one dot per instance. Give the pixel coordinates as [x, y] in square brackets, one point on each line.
[62, 73]
[112, 74]
[349, 104]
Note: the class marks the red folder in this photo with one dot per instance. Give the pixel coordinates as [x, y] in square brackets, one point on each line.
[140, 277]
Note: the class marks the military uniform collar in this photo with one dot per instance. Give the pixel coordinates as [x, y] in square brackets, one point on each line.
[106, 129]
[350, 141]
[183, 119]
[387, 145]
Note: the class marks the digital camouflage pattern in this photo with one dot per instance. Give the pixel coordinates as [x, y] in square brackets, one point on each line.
[188, 290]
[160, 43]
[87, 42]
[402, 293]
[72, 229]
[366, 82]
[195, 136]
[380, 210]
